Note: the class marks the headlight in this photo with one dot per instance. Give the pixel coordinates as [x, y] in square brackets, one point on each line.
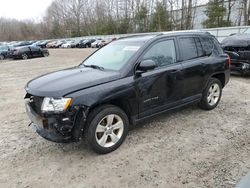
[55, 104]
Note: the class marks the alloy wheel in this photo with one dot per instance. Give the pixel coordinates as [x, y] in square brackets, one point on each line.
[109, 130]
[24, 56]
[213, 94]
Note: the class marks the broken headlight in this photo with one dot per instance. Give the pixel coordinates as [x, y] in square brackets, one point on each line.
[55, 104]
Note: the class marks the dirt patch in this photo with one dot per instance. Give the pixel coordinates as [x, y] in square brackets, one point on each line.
[186, 148]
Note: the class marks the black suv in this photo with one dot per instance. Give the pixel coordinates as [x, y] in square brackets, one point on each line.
[125, 82]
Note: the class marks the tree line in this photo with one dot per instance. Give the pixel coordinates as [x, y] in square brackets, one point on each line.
[73, 18]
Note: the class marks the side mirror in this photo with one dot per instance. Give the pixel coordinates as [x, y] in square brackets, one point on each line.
[146, 65]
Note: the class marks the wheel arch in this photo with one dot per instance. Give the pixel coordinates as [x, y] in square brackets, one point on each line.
[121, 103]
[221, 77]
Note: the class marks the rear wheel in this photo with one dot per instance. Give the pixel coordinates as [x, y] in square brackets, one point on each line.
[211, 95]
[107, 129]
[25, 56]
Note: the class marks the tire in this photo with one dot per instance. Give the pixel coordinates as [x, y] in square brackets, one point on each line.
[45, 54]
[1, 57]
[211, 95]
[25, 56]
[107, 128]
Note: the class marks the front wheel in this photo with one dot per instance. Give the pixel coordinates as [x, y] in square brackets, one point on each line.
[211, 95]
[107, 129]
[45, 54]
[25, 56]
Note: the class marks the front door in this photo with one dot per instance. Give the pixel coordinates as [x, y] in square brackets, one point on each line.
[160, 88]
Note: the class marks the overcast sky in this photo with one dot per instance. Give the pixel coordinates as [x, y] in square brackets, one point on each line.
[24, 9]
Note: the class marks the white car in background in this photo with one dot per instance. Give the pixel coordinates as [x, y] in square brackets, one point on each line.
[95, 44]
[69, 44]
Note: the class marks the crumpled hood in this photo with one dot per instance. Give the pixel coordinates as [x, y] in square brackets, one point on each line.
[237, 40]
[60, 83]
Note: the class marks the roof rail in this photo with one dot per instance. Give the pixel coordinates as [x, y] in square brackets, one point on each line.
[136, 35]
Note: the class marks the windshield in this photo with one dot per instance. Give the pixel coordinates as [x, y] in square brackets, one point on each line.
[114, 55]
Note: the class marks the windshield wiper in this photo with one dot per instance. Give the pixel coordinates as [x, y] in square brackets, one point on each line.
[94, 67]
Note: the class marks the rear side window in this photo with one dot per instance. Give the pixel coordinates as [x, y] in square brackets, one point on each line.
[199, 47]
[34, 48]
[207, 45]
[163, 53]
[217, 46]
[188, 48]
[24, 49]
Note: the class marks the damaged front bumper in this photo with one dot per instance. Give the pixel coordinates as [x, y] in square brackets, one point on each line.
[241, 67]
[61, 128]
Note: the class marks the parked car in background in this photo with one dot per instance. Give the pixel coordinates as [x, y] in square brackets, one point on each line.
[51, 44]
[101, 43]
[95, 44]
[26, 52]
[23, 43]
[105, 42]
[59, 43]
[4, 52]
[237, 47]
[41, 43]
[85, 43]
[126, 82]
[69, 44]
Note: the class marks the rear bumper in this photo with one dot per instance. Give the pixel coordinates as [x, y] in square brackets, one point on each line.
[227, 76]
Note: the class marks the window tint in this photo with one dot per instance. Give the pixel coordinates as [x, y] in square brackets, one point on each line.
[24, 49]
[199, 47]
[163, 53]
[34, 48]
[207, 45]
[188, 48]
[217, 46]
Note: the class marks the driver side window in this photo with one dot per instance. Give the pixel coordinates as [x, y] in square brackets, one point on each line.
[163, 53]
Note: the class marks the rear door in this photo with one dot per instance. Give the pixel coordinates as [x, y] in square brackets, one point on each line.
[35, 51]
[194, 63]
[160, 88]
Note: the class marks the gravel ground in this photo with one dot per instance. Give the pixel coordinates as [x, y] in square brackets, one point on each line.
[186, 148]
